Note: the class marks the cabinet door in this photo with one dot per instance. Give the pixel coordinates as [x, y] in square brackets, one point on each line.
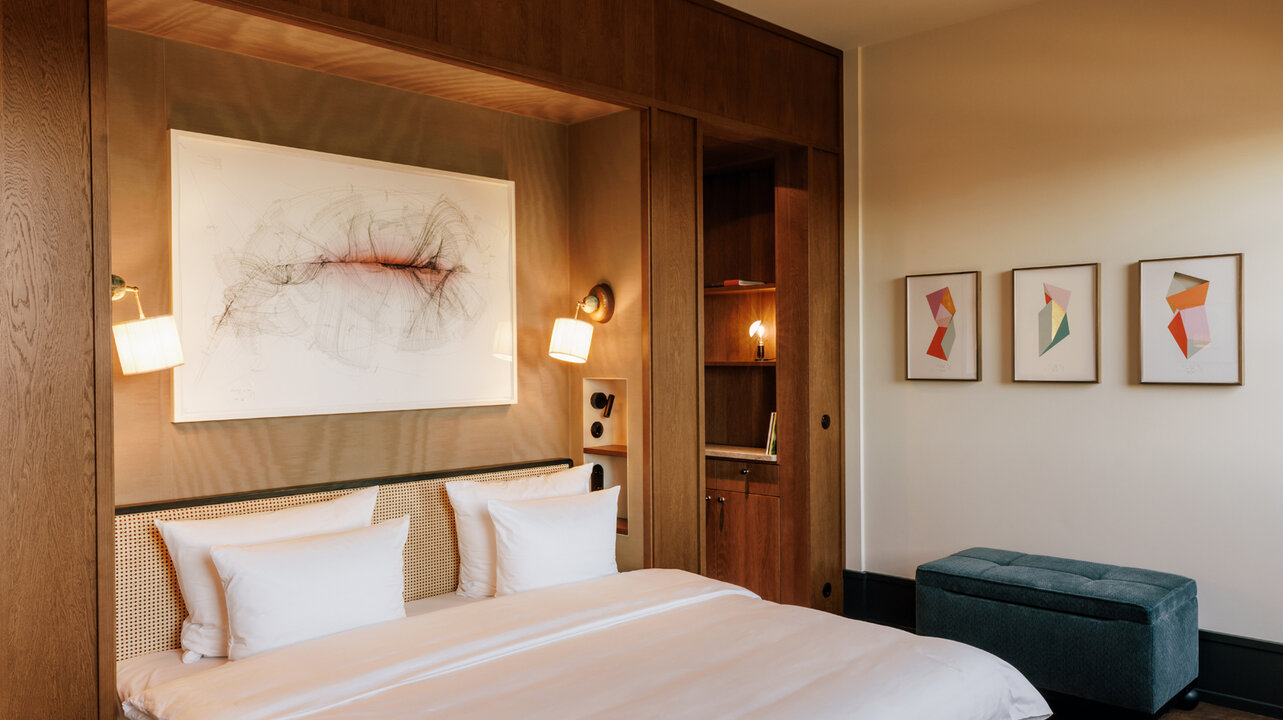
[723, 536]
[760, 556]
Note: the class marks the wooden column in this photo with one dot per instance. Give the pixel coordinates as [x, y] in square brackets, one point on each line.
[50, 491]
[824, 308]
[677, 419]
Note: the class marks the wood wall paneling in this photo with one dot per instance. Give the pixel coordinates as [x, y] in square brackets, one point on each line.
[48, 483]
[527, 32]
[104, 449]
[418, 18]
[676, 445]
[738, 402]
[610, 43]
[722, 64]
[155, 84]
[350, 54]
[739, 226]
[793, 385]
[606, 245]
[824, 291]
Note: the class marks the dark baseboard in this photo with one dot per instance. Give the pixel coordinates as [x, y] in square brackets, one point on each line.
[1234, 672]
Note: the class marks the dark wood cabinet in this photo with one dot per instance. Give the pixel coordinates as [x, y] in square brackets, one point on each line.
[743, 541]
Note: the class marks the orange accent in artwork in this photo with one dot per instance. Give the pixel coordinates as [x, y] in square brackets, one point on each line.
[947, 302]
[1192, 297]
[1046, 298]
[1177, 328]
[936, 349]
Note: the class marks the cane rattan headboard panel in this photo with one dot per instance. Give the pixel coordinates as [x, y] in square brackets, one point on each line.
[149, 606]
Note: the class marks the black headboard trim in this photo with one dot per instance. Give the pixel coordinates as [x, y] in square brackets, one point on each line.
[340, 485]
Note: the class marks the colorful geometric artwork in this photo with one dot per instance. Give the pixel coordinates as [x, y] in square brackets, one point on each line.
[1053, 319]
[943, 310]
[1187, 297]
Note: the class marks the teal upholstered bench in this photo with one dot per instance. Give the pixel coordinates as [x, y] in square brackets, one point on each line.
[1122, 636]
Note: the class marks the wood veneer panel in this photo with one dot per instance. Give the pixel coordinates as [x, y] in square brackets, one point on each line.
[718, 62]
[527, 32]
[156, 84]
[739, 226]
[418, 18]
[610, 42]
[727, 318]
[761, 546]
[724, 535]
[825, 372]
[364, 57]
[676, 445]
[793, 395]
[607, 244]
[738, 402]
[48, 492]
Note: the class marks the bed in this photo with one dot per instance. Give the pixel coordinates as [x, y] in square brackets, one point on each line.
[648, 643]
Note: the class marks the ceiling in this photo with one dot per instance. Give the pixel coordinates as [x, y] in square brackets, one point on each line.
[848, 24]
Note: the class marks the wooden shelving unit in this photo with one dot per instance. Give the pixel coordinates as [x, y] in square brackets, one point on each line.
[739, 452]
[612, 450]
[739, 289]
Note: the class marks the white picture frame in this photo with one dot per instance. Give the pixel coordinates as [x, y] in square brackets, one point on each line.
[308, 283]
[1191, 320]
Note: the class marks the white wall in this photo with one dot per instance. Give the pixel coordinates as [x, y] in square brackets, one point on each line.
[1064, 132]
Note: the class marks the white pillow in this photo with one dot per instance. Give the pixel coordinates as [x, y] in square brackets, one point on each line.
[189, 541]
[286, 592]
[476, 532]
[554, 541]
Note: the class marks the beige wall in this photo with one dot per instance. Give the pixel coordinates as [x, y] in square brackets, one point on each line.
[157, 84]
[1077, 131]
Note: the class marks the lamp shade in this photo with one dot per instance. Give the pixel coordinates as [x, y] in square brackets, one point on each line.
[148, 345]
[571, 340]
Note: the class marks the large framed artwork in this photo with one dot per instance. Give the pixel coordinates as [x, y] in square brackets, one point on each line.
[1191, 320]
[1056, 323]
[942, 326]
[307, 283]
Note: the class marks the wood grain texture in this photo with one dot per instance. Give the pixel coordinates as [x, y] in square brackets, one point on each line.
[48, 491]
[739, 226]
[364, 57]
[793, 383]
[738, 402]
[736, 476]
[727, 319]
[418, 18]
[676, 445]
[609, 42]
[155, 84]
[824, 290]
[104, 449]
[718, 62]
[761, 544]
[606, 245]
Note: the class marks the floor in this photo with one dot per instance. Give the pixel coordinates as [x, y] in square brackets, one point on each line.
[1204, 711]
[1211, 712]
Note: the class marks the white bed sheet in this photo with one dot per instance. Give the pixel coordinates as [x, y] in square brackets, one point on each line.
[651, 643]
[136, 674]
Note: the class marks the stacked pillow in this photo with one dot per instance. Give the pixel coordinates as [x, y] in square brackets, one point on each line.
[525, 534]
[206, 562]
[256, 582]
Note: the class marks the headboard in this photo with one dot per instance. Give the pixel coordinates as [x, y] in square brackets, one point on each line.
[149, 605]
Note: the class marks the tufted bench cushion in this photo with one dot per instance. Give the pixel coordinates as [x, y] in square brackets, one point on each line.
[1123, 636]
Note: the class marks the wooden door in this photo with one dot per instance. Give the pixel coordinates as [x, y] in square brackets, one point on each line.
[760, 545]
[723, 533]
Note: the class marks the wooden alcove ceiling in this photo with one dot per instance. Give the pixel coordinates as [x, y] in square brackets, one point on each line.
[347, 54]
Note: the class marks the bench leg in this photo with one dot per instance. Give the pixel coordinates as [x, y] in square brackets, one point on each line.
[1187, 700]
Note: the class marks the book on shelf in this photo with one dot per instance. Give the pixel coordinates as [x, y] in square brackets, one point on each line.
[770, 437]
[737, 283]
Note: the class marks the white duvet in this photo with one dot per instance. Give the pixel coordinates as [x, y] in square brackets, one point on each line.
[644, 644]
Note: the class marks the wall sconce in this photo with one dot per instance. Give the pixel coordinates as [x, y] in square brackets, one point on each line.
[146, 344]
[572, 337]
[758, 330]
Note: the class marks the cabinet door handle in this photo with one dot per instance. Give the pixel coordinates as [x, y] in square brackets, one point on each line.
[707, 498]
[743, 471]
[721, 499]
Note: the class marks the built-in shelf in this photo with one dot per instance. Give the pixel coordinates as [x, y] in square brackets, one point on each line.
[739, 363]
[738, 289]
[621, 526]
[739, 452]
[615, 450]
